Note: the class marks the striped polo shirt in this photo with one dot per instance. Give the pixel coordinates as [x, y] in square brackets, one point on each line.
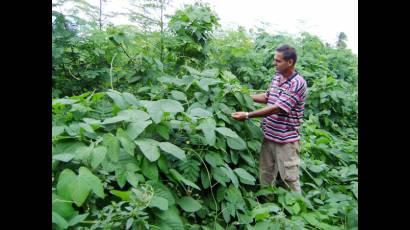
[283, 127]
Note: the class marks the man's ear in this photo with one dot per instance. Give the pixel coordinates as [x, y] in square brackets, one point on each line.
[290, 62]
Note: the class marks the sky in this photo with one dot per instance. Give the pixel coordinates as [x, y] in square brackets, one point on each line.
[323, 18]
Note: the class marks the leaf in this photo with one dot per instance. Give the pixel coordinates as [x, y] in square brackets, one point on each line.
[199, 112]
[154, 110]
[170, 219]
[64, 180]
[296, 208]
[228, 171]
[244, 176]
[172, 106]
[173, 150]
[126, 141]
[132, 178]
[129, 223]
[208, 128]
[124, 195]
[59, 220]
[179, 177]
[63, 101]
[113, 146]
[133, 115]
[92, 180]
[227, 132]
[117, 98]
[159, 202]
[236, 143]
[163, 191]
[134, 129]
[214, 159]
[115, 119]
[149, 169]
[57, 130]
[149, 148]
[64, 157]
[121, 177]
[97, 156]
[79, 190]
[188, 204]
[260, 213]
[87, 127]
[177, 95]
[62, 206]
[130, 99]
[77, 219]
[205, 179]
[163, 130]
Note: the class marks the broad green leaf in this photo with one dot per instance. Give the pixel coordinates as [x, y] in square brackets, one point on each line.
[57, 130]
[134, 129]
[130, 99]
[228, 172]
[124, 195]
[154, 110]
[117, 98]
[79, 190]
[134, 115]
[296, 208]
[163, 191]
[209, 81]
[97, 156]
[64, 157]
[244, 176]
[199, 112]
[202, 85]
[113, 146]
[115, 119]
[86, 127]
[62, 206]
[59, 220]
[189, 204]
[129, 223]
[214, 159]
[126, 141]
[121, 177]
[220, 176]
[77, 219]
[205, 179]
[82, 153]
[173, 150]
[227, 132]
[172, 106]
[260, 213]
[63, 101]
[64, 180]
[236, 143]
[208, 128]
[149, 169]
[177, 95]
[149, 148]
[170, 219]
[179, 177]
[163, 130]
[93, 181]
[132, 178]
[159, 202]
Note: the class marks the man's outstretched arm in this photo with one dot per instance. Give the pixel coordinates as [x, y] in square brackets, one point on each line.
[268, 110]
[260, 98]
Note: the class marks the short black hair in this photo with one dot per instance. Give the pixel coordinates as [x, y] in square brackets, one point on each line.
[288, 52]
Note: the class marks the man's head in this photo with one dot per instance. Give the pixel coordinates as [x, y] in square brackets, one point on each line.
[285, 58]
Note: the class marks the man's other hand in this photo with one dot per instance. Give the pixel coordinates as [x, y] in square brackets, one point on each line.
[240, 116]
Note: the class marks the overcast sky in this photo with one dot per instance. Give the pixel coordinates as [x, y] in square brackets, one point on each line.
[324, 18]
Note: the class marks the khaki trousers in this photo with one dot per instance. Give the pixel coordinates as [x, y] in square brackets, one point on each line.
[282, 158]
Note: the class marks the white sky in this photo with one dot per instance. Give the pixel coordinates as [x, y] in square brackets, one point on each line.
[323, 18]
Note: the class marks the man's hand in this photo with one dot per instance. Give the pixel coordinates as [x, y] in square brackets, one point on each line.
[240, 116]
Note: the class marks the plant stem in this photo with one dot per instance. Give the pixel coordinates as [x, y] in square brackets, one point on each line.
[112, 60]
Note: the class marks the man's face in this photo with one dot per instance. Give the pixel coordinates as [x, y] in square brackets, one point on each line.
[281, 65]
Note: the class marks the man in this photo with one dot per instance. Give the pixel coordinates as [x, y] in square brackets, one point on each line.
[285, 101]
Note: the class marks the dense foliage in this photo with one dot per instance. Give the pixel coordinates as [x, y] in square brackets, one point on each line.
[142, 136]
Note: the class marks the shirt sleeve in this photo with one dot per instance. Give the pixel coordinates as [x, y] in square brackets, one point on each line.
[289, 99]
